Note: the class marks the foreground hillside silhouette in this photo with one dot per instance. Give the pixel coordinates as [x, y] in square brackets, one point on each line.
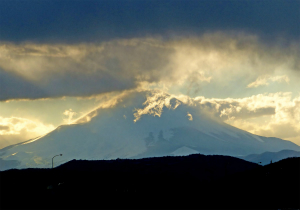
[194, 181]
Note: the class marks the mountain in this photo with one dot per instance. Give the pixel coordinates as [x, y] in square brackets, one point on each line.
[266, 157]
[137, 125]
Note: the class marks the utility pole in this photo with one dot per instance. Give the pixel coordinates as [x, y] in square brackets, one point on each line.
[54, 157]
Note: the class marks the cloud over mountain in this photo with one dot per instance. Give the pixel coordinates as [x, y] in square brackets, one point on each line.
[273, 114]
[33, 71]
[263, 80]
[239, 60]
[263, 114]
[156, 124]
[15, 129]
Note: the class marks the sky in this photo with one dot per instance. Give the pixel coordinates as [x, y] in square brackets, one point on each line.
[61, 59]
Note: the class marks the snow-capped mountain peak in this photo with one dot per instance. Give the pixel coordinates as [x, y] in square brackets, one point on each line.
[136, 125]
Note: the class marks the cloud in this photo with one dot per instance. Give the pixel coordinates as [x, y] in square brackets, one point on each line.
[69, 114]
[4, 128]
[272, 115]
[94, 21]
[15, 125]
[40, 71]
[263, 80]
[281, 130]
[35, 71]
[282, 78]
[242, 108]
[189, 116]
[14, 86]
[155, 103]
[15, 129]
[109, 100]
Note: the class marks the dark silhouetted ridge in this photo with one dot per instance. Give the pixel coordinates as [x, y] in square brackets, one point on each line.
[194, 181]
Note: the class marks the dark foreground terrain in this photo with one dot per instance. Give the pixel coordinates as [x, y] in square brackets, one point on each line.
[194, 181]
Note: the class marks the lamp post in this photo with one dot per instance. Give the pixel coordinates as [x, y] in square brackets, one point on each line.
[54, 157]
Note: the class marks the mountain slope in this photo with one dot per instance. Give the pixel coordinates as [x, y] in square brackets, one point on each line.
[134, 129]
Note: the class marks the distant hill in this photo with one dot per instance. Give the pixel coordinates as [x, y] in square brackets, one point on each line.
[194, 181]
[267, 157]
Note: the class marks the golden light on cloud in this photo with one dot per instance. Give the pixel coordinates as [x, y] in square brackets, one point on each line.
[155, 103]
[16, 129]
[69, 114]
[130, 63]
[263, 80]
[186, 67]
[190, 117]
[16, 125]
[271, 115]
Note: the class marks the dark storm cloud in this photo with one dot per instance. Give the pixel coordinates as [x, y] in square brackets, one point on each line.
[34, 71]
[87, 21]
[50, 71]
[14, 86]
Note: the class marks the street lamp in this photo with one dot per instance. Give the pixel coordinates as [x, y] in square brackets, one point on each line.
[54, 157]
